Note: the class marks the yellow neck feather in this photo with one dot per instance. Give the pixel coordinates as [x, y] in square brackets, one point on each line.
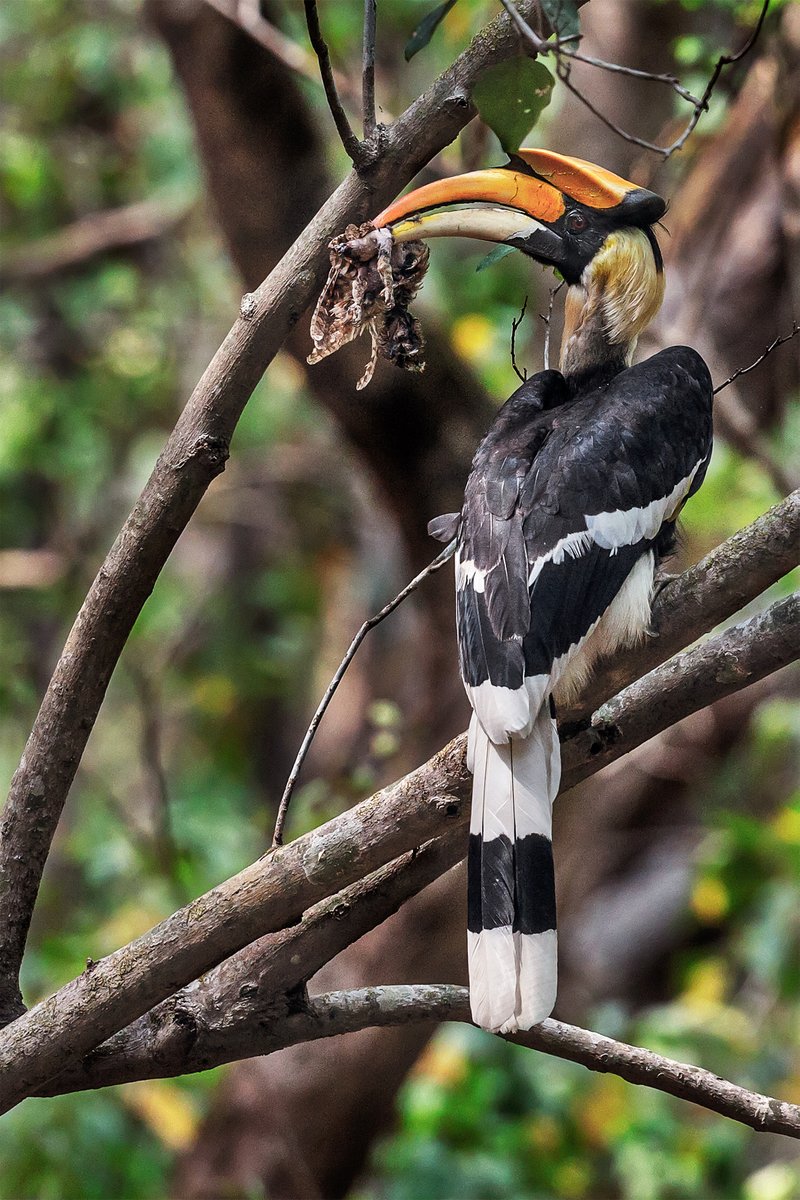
[619, 294]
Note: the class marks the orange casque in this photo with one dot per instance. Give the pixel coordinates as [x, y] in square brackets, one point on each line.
[542, 198]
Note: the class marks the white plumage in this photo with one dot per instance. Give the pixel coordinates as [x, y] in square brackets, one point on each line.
[513, 975]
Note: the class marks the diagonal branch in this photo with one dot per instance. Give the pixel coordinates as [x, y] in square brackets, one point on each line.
[193, 456]
[212, 1020]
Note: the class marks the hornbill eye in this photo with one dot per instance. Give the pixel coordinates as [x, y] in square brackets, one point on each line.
[576, 221]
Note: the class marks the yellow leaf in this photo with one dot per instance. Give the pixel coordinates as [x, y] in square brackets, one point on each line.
[706, 985]
[442, 1063]
[473, 336]
[165, 1109]
[776, 1181]
[710, 901]
[544, 1134]
[214, 695]
[602, 1110]
[787, 826]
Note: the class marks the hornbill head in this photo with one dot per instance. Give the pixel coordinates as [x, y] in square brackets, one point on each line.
[592, 226]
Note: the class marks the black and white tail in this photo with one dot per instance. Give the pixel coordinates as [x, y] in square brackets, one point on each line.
[511, 887]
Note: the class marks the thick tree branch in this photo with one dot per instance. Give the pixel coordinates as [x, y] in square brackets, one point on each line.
[275, 891]
[209, 1021]
[269, 895]
[194, 454]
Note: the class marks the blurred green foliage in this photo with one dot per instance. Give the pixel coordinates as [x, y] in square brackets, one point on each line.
[95, 362]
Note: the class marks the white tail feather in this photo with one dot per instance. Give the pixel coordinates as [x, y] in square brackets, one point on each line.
[513, 975]
[492, 976]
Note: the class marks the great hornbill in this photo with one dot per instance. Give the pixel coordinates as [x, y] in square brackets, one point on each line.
[570, 505]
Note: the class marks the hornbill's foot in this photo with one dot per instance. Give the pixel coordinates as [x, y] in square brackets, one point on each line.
[660, 581]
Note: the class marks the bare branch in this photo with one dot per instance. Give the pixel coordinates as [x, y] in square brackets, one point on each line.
[283, 807]
[194, 455]
[400, 1004]
[368, 68]
[778, 341]
[349, 140]
[515, 324]
[252, 985]
[269, 895]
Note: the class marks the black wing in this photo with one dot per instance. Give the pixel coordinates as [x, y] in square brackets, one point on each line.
[564, 497]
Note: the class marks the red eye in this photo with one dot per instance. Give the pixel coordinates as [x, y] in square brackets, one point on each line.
[576, 222]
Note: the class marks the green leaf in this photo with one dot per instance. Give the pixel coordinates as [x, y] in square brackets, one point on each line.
[563, 16]
[426, 29]
[510, 97]
[494, 256]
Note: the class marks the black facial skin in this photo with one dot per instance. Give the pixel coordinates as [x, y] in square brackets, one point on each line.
[571, 242]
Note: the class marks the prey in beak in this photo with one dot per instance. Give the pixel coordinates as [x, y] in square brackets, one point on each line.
[592, 226]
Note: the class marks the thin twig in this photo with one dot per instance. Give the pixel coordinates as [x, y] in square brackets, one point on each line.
[725, 60]
[547, 322]
[778, 341]
[515, 324]
[557, 47]
[283, 807]
[368, 67]
[635, 73]
[343, 126]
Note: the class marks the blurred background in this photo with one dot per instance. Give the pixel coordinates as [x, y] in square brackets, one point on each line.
[156, 160]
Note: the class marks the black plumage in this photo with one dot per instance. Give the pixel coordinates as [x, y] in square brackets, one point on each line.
[553, 458]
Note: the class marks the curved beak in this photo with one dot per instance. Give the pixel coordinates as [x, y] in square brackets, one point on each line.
[521, 204]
